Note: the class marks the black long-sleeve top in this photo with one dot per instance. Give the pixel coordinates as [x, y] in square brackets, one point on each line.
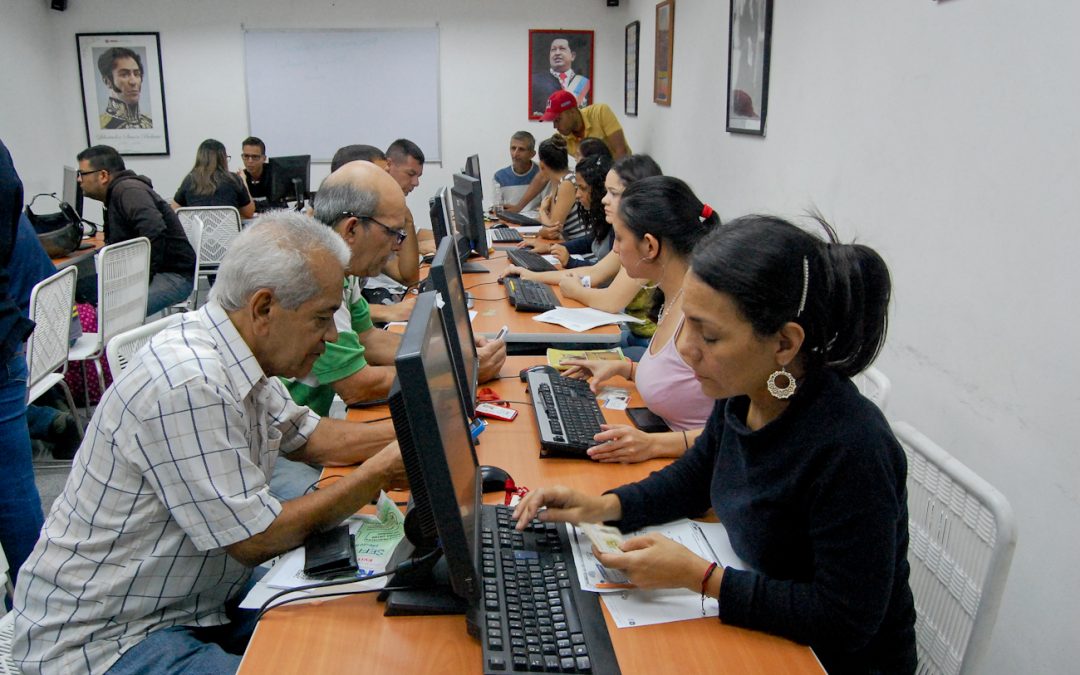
[815, 502]
[135, 210]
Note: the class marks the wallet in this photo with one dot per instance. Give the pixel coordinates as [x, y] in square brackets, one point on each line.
[647, 420]
[330, 553]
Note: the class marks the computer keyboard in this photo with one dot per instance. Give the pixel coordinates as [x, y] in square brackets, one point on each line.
[506, 235]
[567, 414]
[534, 262]
[530, 296]
[517, 218]
[533, 615]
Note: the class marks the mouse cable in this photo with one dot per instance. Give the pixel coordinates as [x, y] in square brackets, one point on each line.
[403, 566]
[485, 283]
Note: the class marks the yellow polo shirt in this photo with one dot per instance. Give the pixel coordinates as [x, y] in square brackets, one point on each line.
[600, 123]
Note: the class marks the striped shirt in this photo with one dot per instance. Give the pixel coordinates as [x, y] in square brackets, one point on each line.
[173, 469]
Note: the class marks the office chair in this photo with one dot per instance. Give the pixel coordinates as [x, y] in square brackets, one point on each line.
[962, 536]
[7, 621]
[219, 226]
[122, 348]
[193, 230]
[51, 304]
[874, 385]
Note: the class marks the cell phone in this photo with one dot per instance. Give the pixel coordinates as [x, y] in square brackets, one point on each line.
[647, 420]
[502, 333]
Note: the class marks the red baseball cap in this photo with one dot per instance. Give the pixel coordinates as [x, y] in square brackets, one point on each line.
[558, 102]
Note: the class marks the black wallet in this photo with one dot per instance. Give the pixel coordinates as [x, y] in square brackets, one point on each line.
[647, 420]
[330, 553]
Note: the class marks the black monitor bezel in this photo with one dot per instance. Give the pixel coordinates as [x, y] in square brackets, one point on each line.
[71, 178]
[472, 162]
[470, 225]
[283, 170]
[445, 267]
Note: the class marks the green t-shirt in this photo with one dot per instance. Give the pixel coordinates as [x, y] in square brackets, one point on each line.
[342, 358]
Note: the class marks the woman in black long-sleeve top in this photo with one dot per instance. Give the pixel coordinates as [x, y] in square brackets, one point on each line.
[802, 470]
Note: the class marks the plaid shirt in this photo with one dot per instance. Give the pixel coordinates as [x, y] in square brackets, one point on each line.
[173, 469]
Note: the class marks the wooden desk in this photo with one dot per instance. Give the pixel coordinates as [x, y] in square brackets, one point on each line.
[83, 256]
[350, 634]
[493, 311]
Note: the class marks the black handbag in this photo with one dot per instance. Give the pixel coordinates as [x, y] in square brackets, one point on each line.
[61, 231]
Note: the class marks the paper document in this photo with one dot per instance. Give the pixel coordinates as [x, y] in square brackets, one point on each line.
[581, 319]
[528, 229]
[631, 606]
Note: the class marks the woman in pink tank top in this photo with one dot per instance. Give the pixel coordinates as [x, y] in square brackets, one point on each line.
[658, 222]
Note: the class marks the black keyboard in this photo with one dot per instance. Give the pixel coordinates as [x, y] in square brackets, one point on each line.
[533, 615]
[534, 262]
[517, 218]
[567, 414]
[530, 296]
[506, 235]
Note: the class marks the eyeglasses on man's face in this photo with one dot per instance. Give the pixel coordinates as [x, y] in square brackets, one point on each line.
[251, 158]
[398, 235]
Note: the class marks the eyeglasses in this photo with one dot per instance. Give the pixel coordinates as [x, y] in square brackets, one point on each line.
[251, 158]
[87, 173]
[398, 235]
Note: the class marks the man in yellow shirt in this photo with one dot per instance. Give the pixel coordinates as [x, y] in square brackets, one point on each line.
[594, 121]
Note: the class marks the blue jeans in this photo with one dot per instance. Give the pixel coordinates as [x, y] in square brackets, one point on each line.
[290, 480]
[166, 289]
[186, 649]
[20, 505]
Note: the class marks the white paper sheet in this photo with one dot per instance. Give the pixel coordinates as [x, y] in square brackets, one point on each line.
[581, 319]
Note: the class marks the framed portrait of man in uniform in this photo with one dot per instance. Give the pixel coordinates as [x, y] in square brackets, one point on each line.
[123, 91]
[559, 59]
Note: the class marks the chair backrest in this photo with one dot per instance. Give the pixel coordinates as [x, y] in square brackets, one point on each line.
[220, 225]
[122, 348]
[874, 385]
[51, 303]
[123, 286]
[962, 536]
[193, 231]
[5, 577]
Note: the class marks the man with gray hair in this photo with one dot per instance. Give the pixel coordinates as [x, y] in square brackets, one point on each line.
[145, 555]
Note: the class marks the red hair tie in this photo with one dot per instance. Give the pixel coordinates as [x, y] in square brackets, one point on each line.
[706, 211]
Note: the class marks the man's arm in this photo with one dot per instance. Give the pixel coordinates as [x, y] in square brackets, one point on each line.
[344, 443]
[380, 346]
[321, 509]
[405, 266]
[425, 240]
[398, 311]
[370, 383]
[617, 143]
[536, 186]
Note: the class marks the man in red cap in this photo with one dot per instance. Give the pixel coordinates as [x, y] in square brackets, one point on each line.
[594, 121]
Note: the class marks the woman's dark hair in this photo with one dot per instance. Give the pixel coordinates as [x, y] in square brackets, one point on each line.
[591, 146]
[552, 152]
[666, 208]
[211, 167]
[759, 262]
[592, 171]
[635, 167]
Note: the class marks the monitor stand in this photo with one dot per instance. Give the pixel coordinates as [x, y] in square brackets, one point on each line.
[428, 585]
[473, 268]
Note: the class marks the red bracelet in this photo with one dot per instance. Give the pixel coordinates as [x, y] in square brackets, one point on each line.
[704, 582]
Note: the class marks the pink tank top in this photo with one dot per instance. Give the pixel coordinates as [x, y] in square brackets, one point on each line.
[669, 388]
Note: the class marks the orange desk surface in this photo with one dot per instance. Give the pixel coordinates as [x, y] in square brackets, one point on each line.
[77, 256]
[350, 635]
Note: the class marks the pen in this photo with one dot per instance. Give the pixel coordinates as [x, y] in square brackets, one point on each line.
[701, 533]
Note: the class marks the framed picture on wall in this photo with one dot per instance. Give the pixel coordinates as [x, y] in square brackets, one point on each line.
[559, 59]
[123, 92]
[630, 77]
[665, 49]
[749, 39]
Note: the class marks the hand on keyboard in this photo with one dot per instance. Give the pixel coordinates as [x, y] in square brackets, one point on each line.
[598, 371]
[566, 505]
[623, 443]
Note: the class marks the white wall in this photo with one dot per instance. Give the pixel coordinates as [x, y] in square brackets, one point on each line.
[939, 133]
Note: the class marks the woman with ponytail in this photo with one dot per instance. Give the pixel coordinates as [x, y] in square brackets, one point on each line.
[658, 222]
[803, 471]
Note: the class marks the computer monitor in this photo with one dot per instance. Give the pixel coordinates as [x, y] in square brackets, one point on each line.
[289, 179]
[446, 278]
[472, 167]
[440, 461]
[469, 217]
[73, 193]
[440, 216]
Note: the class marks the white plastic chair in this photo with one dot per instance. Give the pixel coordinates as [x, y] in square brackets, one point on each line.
[874, 385]
[962, 536]
[193, 230]
[220, 226]
[122, 348]
[7, 621]
[51, 303]
[123, 285]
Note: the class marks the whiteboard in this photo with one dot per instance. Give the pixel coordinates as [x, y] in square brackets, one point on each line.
[312, 92]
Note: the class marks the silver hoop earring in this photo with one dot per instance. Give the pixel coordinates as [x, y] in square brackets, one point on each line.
[781, 392]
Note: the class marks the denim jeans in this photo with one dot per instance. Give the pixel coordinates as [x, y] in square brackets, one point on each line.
[185, 649]
[20, 505]
[290, 480]
[166, 288]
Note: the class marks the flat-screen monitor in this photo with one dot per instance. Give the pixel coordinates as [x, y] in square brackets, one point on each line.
[440, 216]
[73, 193]
[440, 461]
[445, 275]
[289, 179]
[472, 166]
[469, 214]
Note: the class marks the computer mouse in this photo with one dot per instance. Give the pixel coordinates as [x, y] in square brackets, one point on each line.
[537, 369]
[499, 225]
[493, 478]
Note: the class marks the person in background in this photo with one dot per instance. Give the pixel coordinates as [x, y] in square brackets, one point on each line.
[802, 470]
[133, 209]
[594, 121]
[20, 504]
[257, 174]
[558, 210]
[211, 184]
[151, 546]
[352, 153]
[511, 183]
[592, 146]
